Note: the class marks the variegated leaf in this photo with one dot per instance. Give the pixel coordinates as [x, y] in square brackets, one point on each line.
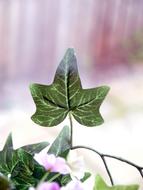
[35, 148]
[66, 95]
[61, 145]
[19, 165]
[8, 157]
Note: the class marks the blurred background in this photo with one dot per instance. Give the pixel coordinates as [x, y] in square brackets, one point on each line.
[108, 40]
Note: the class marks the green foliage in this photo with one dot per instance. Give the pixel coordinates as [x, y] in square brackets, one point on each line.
[8, 157]
[65, 179]
[18, 169]
[61, 145]
[101, 185]
[86, 176]
[65, 95]
[20, 165]
[35, 148]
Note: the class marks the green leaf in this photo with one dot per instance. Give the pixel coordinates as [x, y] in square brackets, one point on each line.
[35, 148]
[65, 180]
[65, 95]
[101, 185]
[22, 175]
[61, 145]
[86, 176]
[8, 157]
[20, 165]
[27, 172]
[34, 168]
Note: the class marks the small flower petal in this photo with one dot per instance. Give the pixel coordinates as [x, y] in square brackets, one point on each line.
[52, 163]
[61, 166]
[74, 185]
[76, 165]
[48, 186]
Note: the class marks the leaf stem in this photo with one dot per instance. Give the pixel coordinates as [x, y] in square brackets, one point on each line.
[71, 130]
[44, 177]
[76, 147]
[103, 156]
[107, 169]
[54, 177]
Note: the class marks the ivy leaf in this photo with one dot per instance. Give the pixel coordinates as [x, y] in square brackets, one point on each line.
[27, 172]
[36, 170]
[20, 165]
[35, 148]
[101, 185]
[55, 101]
[22, 175]
[8, 157]
[61, 145]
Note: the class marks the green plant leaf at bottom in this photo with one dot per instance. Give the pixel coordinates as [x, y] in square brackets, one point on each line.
[19, 166]
[101, 185]
[8, 157]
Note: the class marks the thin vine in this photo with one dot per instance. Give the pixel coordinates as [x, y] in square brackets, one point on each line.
[104, 156]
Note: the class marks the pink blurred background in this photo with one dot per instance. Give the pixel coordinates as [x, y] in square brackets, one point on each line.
[34, 35]
[108, 39]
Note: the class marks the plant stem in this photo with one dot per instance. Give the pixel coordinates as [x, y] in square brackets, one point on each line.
[44, 177]
[76, 147]
[101, 156]
[139, 168]
[107, 169]
[54, 177]
[71, 130]
[50, 180]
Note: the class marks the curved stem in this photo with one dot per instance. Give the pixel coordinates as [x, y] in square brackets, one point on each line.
[139, 168]
[107, 169]
[101, 156]
[44, 177]
[54, 177]
[141, 172]
[123, 160]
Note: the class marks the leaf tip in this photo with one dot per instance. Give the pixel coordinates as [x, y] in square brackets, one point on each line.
[31, 86]
[106, 89]
[70, 52]
[35, 120]
[9, 142]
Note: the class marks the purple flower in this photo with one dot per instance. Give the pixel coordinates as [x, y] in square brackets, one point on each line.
[74, 185]
[48, 186]
[52, 163]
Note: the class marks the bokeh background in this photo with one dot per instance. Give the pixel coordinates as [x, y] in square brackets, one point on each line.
[108, 39]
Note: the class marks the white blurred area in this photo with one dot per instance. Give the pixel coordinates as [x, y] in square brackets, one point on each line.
[107, 37]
